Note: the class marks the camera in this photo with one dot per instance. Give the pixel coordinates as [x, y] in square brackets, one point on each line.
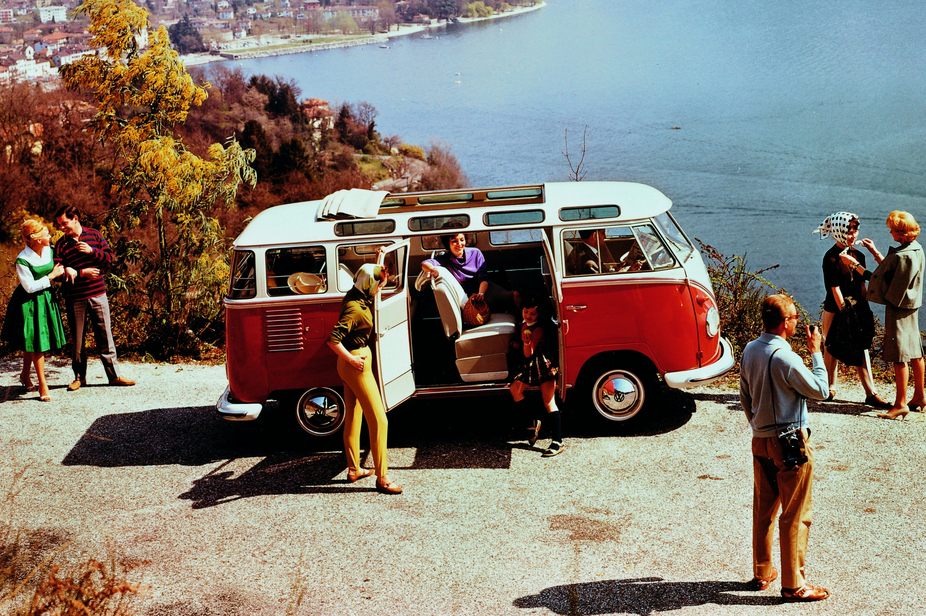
[792, 447]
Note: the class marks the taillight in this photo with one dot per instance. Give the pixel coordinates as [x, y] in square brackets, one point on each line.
[713, 322]
[712, 319]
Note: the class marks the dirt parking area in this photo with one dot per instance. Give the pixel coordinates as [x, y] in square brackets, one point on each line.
[253, 519]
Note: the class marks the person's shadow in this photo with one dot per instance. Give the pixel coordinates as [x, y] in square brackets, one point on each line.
[642, 596]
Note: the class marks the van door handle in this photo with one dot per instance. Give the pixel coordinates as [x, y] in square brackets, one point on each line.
[577, 308]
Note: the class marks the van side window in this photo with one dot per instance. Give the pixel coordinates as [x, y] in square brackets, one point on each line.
[607, 250]
[296, 271]
[674, 235]
[352, 256]
[243, 283]
[656, 252]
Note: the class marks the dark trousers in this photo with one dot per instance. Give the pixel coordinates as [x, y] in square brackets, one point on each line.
[95, 310]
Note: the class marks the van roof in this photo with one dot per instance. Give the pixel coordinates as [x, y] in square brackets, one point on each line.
[295, 223]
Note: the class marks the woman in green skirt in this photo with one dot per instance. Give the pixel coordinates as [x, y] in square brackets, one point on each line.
[33, 320]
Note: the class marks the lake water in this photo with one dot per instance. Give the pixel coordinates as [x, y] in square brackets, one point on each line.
[786, 111]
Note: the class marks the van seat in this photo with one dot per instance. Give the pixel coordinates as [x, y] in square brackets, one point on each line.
[481, 351]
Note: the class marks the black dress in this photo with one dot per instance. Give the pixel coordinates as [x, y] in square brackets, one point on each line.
[853, 327]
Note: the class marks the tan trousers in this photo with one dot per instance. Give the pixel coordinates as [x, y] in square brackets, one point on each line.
[361, 398]
[791, 491]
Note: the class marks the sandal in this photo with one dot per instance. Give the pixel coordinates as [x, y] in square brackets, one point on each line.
[804, 593]
[353, 477]
[25, 382]
[45, 398]
[384, 486]
[758, 583]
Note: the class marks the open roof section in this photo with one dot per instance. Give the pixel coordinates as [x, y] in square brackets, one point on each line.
[447, 199]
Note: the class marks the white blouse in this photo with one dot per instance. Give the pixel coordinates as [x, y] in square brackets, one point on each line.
[28, 282]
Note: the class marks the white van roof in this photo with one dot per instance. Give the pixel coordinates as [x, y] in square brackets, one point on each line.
[296, 223]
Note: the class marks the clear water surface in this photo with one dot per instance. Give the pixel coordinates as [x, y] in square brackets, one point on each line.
[785, 111]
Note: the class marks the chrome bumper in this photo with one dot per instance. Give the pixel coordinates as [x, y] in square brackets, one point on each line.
[237, 411]
[705, 375]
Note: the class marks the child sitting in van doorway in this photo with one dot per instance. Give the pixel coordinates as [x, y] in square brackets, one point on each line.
[534, 368]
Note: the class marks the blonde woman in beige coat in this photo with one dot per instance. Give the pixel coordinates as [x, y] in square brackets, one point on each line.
[898, 284]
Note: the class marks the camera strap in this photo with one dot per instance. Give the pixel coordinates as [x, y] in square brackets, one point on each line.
[771, 386]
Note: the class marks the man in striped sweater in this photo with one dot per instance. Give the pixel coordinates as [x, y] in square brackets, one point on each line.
[86, 255]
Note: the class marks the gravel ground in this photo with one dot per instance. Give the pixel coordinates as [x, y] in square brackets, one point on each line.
[242, 519]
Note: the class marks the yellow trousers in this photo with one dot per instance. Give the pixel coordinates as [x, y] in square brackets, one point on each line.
[787, 490]
[361, 397]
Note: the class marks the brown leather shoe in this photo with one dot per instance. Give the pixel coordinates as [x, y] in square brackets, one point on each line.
[387, 487]
[804, 593]
[758, 583]
[122, 381]
[77, 384]
[353, 477]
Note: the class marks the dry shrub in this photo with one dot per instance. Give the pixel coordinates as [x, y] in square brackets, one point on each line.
[91, 587]
[33, 584]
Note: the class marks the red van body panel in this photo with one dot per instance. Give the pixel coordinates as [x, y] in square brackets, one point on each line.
[640, 315]
[291, 336]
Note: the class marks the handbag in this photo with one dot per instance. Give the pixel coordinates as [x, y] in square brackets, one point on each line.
[476, 311]
[790, 436]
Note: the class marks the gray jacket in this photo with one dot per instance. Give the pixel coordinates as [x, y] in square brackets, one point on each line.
[792, 383]
[898, 280]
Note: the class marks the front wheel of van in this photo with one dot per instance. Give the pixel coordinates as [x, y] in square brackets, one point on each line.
[618, 392]
[320, 411]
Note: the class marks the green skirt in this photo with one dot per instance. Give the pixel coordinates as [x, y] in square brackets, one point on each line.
[33, 322]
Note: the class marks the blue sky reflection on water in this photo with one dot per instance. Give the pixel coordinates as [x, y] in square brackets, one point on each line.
[786, 111]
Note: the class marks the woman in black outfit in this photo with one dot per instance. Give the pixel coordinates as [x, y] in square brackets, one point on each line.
[848, 323]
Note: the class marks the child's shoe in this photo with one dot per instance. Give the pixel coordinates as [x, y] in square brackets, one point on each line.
[555, 448]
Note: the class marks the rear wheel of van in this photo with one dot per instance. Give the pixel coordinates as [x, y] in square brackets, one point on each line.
[320, 411]
[617, 391]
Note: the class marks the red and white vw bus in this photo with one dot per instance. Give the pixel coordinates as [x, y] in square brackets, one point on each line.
[645, 310]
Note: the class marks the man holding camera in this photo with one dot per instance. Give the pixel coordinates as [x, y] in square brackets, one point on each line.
[774, 386]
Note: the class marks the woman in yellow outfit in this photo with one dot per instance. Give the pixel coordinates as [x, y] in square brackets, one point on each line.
[350, 341]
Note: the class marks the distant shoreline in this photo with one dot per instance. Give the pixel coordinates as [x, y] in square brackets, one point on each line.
[381, 39]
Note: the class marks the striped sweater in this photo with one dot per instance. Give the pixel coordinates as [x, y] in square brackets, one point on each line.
[67, 254]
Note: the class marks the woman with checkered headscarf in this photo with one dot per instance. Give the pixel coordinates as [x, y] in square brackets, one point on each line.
[848, 323]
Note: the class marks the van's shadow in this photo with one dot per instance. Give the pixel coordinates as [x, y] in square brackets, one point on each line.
[642, 596]
[444, 433]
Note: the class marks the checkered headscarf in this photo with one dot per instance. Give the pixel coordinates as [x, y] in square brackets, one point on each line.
[836, 225]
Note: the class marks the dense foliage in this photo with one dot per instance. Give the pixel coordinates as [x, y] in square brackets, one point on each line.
[185, 38]
[155, 156]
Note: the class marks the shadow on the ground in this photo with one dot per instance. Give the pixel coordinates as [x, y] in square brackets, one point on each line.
[642, 596]
[456, 433]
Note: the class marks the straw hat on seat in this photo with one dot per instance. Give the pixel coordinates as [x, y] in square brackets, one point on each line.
[306, 284]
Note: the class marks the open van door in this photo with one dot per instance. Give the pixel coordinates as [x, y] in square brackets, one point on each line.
[393, 352]
[552, 276]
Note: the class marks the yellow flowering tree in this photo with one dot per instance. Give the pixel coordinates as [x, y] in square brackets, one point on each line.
[143, 92]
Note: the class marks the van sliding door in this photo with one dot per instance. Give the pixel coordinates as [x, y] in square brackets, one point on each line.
[393, 340]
